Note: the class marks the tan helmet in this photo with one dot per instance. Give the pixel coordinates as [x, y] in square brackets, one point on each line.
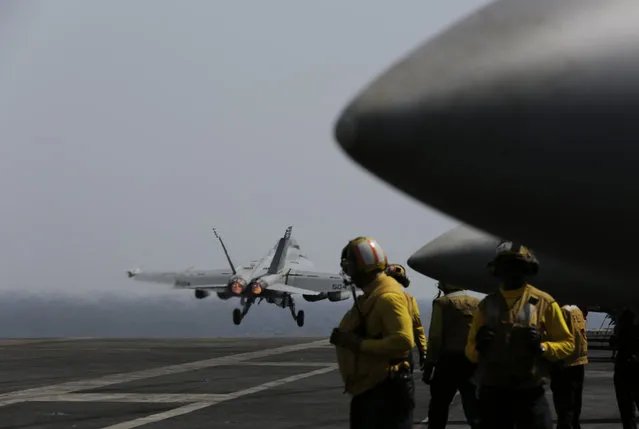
[398, 272]
[447, 287]
[511, 251]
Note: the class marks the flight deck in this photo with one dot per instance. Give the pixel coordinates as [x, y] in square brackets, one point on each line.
[238, 383]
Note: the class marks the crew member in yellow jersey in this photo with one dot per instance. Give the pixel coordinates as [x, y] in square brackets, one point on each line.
[398, 272]
[374, 342]
[449, 325]
[567, 375]
[515, 334]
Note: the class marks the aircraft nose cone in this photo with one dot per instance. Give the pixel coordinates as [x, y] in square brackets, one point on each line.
[514, 72]
[460, 253]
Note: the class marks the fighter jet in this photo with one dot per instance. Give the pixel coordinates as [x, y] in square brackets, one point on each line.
[461, 254]
[522, 119]
[283, 272]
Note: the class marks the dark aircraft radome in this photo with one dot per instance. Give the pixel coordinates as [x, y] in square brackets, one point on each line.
[461, 254]
[522, 120]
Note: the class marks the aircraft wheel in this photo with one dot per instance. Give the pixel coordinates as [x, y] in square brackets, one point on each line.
[237, 316]
[300, 318]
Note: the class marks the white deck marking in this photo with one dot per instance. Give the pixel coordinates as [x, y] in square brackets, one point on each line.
[281, 381]
[94, 383]
[153, 418]
[135, 397]
[287, 364]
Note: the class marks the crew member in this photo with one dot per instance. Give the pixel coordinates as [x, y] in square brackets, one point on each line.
[374, 342]
[614, 341]
[514, 334]
[449, 325]
[567, 375]
[398, 272]
[626, 376]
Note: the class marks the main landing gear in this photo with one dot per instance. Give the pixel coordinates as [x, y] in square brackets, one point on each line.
[238, 314]
[283, 302]
[287, 301]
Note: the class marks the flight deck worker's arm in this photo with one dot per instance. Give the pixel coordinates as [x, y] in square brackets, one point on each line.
[478, 322]
[561, 343]
[568, 320]
[435, 333]
[418, 328]
[397, 323]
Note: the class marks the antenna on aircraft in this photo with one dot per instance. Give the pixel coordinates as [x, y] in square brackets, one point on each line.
[226, 253]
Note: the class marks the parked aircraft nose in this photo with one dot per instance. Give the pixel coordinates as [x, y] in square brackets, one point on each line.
[515, 103]
[458, 256]
[484, 79]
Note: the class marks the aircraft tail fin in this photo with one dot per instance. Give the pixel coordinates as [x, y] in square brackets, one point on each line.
[280, 252]
[226, 253]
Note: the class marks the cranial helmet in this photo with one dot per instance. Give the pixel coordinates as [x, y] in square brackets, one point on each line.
[363, 255]
[508, 252]
[398, 272]
[447, 287]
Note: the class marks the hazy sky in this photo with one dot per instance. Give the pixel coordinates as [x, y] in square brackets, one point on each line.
[129, 128]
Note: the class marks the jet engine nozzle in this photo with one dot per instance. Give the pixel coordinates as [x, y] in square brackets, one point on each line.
[256, 288]
[236, 286]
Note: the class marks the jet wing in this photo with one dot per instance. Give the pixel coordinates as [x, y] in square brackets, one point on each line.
[189, 279]
[313, 282]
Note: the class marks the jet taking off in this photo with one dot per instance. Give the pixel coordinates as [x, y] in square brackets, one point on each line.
[461, 254]
[276, 277]
[521, 120]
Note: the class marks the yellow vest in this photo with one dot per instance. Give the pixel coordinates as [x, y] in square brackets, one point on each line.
[458, 309]
[577, 325]
[418, 328]
[509, 362]
[363, 371]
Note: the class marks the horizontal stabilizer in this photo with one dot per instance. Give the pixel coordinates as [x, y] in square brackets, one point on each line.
[315, 281]
[292, 290]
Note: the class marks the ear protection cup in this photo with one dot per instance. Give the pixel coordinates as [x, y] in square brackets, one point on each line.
[491, 267]
[404, 281]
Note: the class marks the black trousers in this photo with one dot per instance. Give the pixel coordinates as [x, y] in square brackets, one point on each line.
[567, 385]
[510, 409]
[389, 405]
[452, 374]
[626, 379]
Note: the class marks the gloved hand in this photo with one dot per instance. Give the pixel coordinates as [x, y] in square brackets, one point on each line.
[533, 336]
[345, 339]
[422, 361]
[427, 374]
[485, 336]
